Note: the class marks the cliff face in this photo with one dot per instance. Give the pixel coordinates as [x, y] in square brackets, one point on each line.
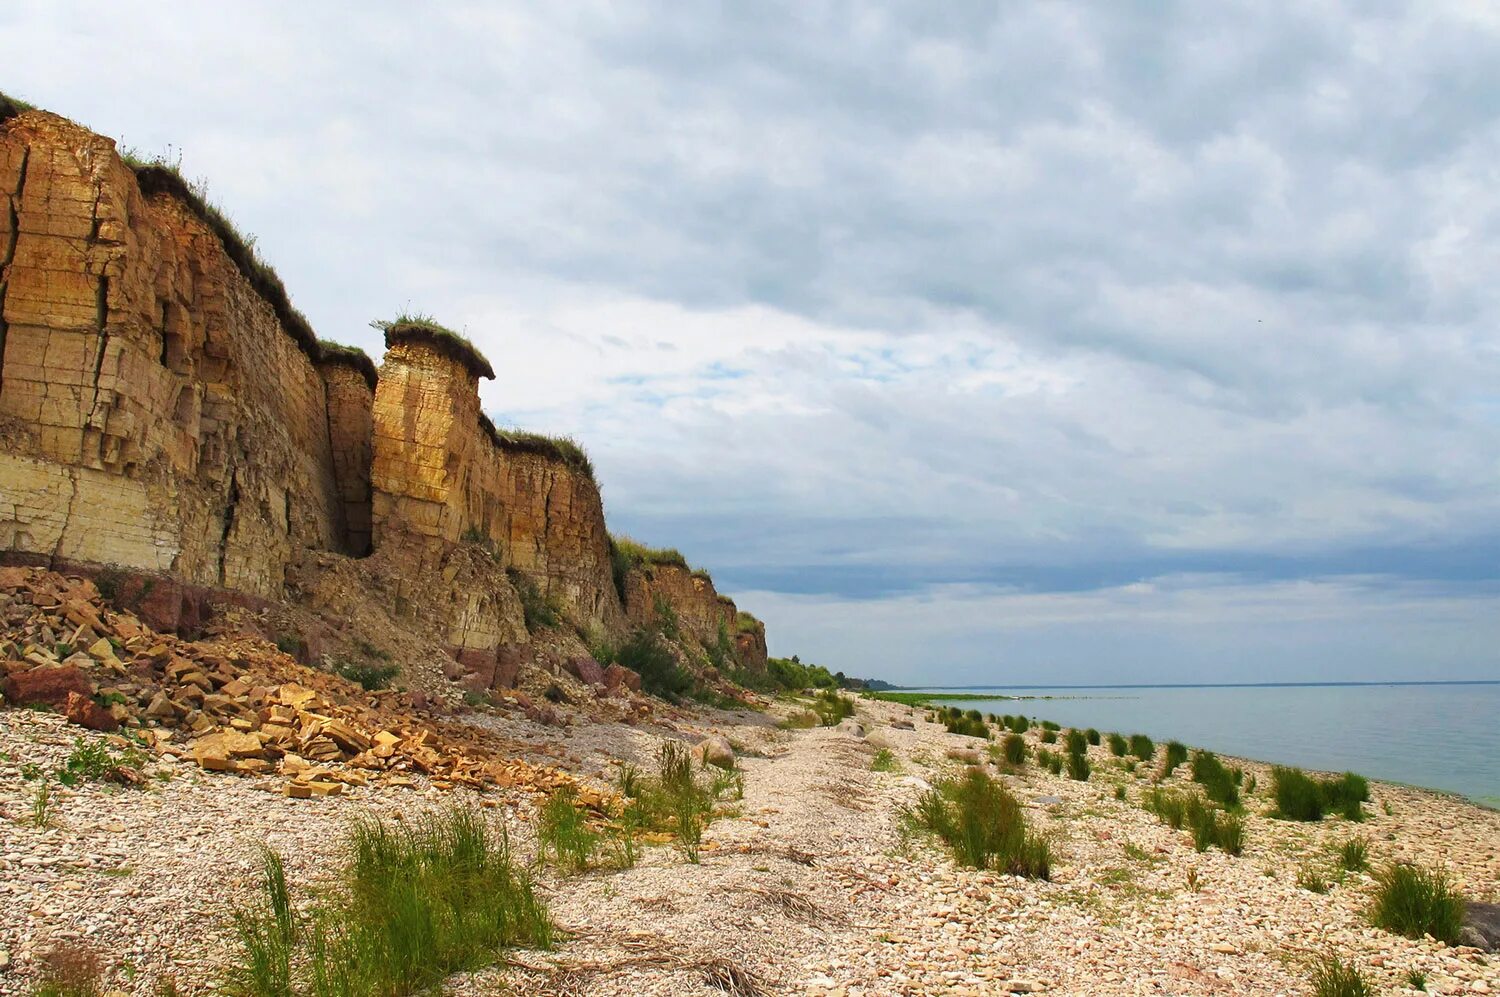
[160, 412]
[440, 474]
[708, 618]
[158, 416]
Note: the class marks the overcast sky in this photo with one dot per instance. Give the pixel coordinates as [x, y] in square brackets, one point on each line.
[962, 342]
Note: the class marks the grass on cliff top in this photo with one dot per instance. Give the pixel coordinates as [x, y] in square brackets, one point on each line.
[353, 356]
[160, 175]
[12, 106]
[563, 449]
[746, 623]
[639, 555]
[414, 325]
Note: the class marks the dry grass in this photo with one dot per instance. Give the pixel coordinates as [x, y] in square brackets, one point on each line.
[794, 905]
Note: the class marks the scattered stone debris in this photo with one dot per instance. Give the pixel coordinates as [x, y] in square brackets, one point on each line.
[233, 704]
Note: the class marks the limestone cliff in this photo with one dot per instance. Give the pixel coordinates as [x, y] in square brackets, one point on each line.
[158, 415]
[164, 409]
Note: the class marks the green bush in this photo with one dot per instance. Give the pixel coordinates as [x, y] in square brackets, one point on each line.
[831, 708]
[983, 824]
[1298, 797]
[1078, 767]
[1413, 901]
[1015, 749]
[541, 612]
[1050, 760]
[1142, 747]
[1077, 742]
[1092, 735]
[1019, 725]
[1049, 725]
[1333, 978]
[368, 674]
[1049, 736]
[1301, 797]
[1117, 745]
[1177, 753]
[644, 653]
[967, 727]
[416, 901]
[1215, 779]
[1345, 794]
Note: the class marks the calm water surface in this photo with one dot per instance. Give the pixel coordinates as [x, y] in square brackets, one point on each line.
[1440, 736]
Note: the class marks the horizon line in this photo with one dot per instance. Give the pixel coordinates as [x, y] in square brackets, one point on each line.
[1198, 685]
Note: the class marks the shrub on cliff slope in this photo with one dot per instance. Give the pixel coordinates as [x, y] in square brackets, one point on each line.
[416, 901]
[983, 825]
[541, 611]
[644, 653]
[793, 673]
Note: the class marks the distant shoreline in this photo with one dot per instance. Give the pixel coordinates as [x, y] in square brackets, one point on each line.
[1190, 685]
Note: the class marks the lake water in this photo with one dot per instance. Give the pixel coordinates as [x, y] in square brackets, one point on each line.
[1441, 736]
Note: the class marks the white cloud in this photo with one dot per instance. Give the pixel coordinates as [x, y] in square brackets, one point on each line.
[881, 300]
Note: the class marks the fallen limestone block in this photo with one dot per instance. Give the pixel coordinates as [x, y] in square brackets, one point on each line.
[83, 711]
[217, 751]
[46, 686]
[851, 727]
[715, 750]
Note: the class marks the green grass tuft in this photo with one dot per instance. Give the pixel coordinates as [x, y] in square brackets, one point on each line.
[1354, 854]
[563, 834]
[1142, 747]
[1301, 797]
[1413, 902]
[416, 901]
[983, 825]
[1014, 747]
[1217, 781]
[1333, 978]
[1177, 753]
[884, 761]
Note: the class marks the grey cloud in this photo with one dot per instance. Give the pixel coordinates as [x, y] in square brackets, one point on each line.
[1225, 272]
